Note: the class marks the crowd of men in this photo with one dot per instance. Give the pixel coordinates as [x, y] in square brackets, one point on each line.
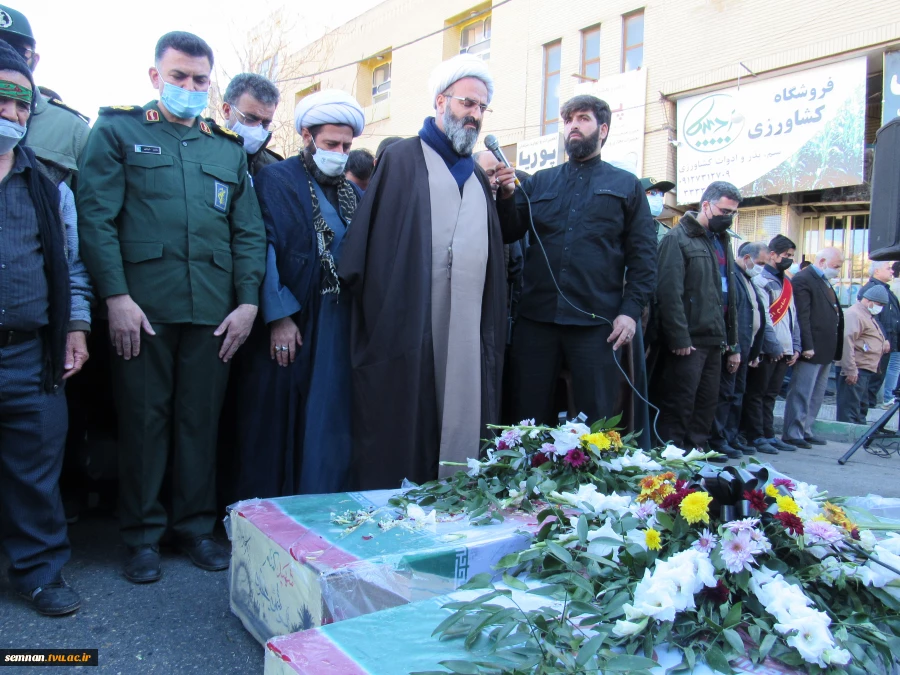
[353, 313]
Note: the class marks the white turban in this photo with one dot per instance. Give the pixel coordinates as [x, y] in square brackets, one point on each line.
[331, 106]
[452, 70]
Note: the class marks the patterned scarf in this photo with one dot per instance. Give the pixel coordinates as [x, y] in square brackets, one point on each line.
[325, 235]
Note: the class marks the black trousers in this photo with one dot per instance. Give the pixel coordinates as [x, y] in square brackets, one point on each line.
[853, 399]
[763, 385]
[732, 387]
[687, 391]
[536, 359]
[875, 380]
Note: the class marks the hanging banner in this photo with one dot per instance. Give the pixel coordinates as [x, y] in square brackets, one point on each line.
[803, 131]
[538, 153]
[626, 94]
[891, 97]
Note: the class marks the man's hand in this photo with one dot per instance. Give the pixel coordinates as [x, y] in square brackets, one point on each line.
[808, 354]
[125, 322]
[506, 179]
[623, 331]
[886, 348]
[733, 361]
[794, 358]
[686, 351]
[851, 379]
[754, 363]
[284, 340]
[76, 353]
[236, 328]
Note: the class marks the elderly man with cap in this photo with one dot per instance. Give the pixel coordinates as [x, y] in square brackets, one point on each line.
[656, 196]
[864, 346]
[294, 386]
[45, 300]
[424, 265]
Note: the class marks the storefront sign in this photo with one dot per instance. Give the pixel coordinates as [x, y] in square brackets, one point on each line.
[626, 94]
[891, 107]
[538, 153]
[803, 131]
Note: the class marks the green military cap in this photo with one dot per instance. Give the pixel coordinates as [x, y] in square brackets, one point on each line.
[13, 24]
[653, 184]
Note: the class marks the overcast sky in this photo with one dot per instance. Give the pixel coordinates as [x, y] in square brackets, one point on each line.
[97, 52]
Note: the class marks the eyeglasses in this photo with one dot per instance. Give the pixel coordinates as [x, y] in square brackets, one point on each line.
[253, 120]
[24, 51]
[726, 212]
[468, 103]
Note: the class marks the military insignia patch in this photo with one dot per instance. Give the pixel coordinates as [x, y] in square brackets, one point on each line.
[125, 108]
[221, 197]
[5, 19]
[204, 127]
[152, 116]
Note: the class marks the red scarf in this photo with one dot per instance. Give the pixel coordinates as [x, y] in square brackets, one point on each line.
[780, 307]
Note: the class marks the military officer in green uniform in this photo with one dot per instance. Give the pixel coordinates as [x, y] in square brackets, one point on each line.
[172, 235]
[56, 132]
[249, 107]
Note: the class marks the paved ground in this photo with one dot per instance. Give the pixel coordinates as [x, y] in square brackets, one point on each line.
[183, 625]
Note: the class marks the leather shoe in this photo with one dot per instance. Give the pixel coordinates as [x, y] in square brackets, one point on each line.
[727, 450]
[54, 599]
[206, 553]
[739, 444]
[812, 440]
[143, 565]
[780, 445]
[762, 445]
[797, 443]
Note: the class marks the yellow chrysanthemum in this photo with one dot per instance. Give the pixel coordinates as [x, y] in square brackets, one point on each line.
[695, 507]
[787, 504]
[772, 491]
[599, 440]
[615, 438]
[652, 539]
[836, 515]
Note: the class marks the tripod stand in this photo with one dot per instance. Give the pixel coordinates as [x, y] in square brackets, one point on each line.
[877, 432]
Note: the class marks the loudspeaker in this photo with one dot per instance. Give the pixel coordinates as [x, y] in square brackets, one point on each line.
[884, 217]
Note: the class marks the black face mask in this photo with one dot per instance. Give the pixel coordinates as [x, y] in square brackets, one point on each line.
[784, 264]
[719, 224]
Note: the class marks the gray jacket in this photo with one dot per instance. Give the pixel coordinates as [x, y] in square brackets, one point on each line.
[79, 281]
[783, 338]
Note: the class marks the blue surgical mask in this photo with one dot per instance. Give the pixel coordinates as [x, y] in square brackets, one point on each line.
[329, 162]
[656, 204]
[10, 135]
[182, 103]
[253, 137]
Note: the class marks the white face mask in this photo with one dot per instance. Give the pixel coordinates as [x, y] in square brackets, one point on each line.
[253, 137]
[656, 204]
[831, 273]
[10, 135]
[329, 162]
[875, 309]
[754, 271]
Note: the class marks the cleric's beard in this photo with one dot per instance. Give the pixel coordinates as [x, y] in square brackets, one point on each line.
[463, 139]
[584, 147]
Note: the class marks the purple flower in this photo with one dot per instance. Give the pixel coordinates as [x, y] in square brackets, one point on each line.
[706, 543]
[737, 552]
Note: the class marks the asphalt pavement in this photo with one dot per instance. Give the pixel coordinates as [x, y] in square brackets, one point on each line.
[183, 624]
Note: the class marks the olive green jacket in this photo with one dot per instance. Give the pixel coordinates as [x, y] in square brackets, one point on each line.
[168, 215]
[57, 134]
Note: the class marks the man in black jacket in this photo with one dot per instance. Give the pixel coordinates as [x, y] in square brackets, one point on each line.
[750, 312]
[821, 337]
[881, 274]
[697, 322]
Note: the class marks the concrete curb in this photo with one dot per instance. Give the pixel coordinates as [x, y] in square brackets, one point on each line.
[841, 432]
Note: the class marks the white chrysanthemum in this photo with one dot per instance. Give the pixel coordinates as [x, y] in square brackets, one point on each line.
[568, 436]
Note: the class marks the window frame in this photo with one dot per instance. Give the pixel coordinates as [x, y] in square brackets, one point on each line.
[625, 47]
[379, 94]
[546, 76]
[486, 32]
[585, 62]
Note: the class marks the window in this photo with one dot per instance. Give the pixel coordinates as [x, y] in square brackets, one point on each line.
[590, 52]
[552, 58]
[633, 41]
[269, 68]
[476, 38]
[303, 93]
[381, 83]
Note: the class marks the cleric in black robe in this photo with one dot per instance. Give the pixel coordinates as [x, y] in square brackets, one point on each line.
[424, 265]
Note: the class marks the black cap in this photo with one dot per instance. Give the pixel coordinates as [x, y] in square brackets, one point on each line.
[10, 59]
[13, 24]
[653, 184]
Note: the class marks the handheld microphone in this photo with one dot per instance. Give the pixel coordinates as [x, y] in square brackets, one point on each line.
[492, 144]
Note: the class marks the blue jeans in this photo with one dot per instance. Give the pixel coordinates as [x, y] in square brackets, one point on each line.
[892, 376]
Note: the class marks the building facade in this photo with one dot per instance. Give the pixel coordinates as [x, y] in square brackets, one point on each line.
[713, 65]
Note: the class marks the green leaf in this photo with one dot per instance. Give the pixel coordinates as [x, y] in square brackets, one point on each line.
[665, 520]
[462, 667]
[732, 638]
[716, 660]
[733, 617]
[482, 580]
[766, 646]
[599, 559]
[690, 657]
[513, 582]
[449, 621]
[509, 560]
[628, 663]
[589, 649]
[559, 552]
[550, 590]
[582, 528]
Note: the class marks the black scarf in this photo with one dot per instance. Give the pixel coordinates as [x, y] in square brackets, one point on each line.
[45, 197]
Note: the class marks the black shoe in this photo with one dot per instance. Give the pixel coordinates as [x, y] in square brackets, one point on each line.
[812, 440]
[797, 443]
[743, 446]
[54, 599]
[762, 445]
[780, 445]
[143, 565]
[727, 450]
[206, 553]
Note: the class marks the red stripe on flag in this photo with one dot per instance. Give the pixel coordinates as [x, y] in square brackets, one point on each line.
[310, 652]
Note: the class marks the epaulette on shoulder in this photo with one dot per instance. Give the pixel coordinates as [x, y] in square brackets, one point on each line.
[275, 155]
[59, 104]
[122, 110]
[222, 131]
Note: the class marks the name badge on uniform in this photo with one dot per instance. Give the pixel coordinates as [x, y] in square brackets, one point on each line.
[148, 149]
[221, 196]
